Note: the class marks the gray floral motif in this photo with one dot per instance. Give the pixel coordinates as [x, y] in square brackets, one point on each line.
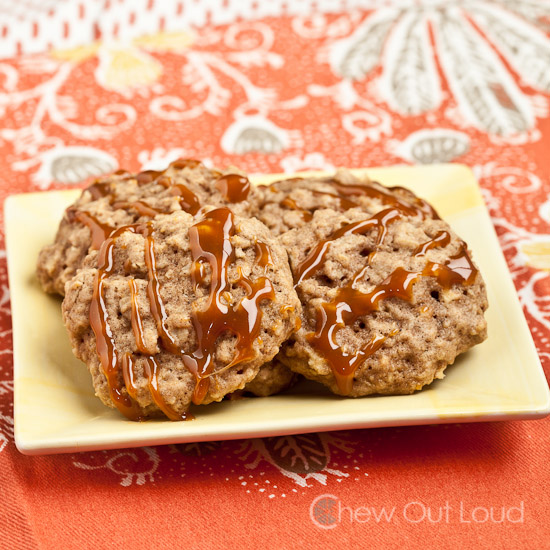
[71, 164]
[257, 140]
[255, 134]
[432, 146]
[364, 51]
[489, 97]
[75, 168]
[527, 48]
[466, 39]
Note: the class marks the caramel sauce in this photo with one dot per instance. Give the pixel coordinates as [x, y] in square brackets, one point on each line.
[147, 176]
[105, 342]
[263, 254]
[412, 207]
[99, 230]
[345, 309]
[142, 208]
[289, 203]
[210, 240]
[151, 366]
[137, 324]
[442, 239]
[350, 304]
[189, 202]
[99, 189]
[457, 270]
[345, 203]
[423, 205]
[180, 164]
[234, 187]
[112, 365]
[152, 373]
[128, 375]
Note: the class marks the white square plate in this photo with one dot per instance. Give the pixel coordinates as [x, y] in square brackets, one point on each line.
[56, 410]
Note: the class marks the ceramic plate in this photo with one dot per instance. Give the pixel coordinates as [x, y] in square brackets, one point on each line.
[56, 410]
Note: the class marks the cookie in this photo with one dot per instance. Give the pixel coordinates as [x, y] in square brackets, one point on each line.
[123, 199]
[290, 204]
[273, 377]
[389, 301]
[180, 309]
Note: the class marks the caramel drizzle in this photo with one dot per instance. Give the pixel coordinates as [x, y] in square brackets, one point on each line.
[99, 231]
[417, 206]
[105, 342]
[423, 205]
[180, 164]
[263, 254]
[345, 203]
[413, 207]
[112, 365]
[151, 367]
[350, 304]
[99, 189]
[147, 176]
[234, 187]
[142, 208]
[289, 203]
[188, 201]
[442, 239]
[316, 257]
[210, 241]
[137, 324]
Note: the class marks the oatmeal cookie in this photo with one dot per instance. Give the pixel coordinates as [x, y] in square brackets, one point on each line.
[180, 309]
[273, 377]
[290, 204]
[124, 198]
[389, 301]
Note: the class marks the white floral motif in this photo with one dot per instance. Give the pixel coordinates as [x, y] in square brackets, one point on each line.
[30, 142]
[521, 246]
[202, 70]
[366, 122]
[299, 457]
[311, 161]
[6, 430]
[515, 180]
[145, 466]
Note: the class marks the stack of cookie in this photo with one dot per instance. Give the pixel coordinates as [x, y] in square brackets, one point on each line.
[188, 285]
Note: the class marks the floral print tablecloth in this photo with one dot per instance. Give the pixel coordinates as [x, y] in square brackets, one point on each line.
[285, 87]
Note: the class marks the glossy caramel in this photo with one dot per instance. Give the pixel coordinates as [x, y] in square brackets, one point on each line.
[234, 187]
[99, 231]
[105, 342]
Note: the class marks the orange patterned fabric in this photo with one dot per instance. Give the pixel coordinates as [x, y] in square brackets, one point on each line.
[465, 82]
